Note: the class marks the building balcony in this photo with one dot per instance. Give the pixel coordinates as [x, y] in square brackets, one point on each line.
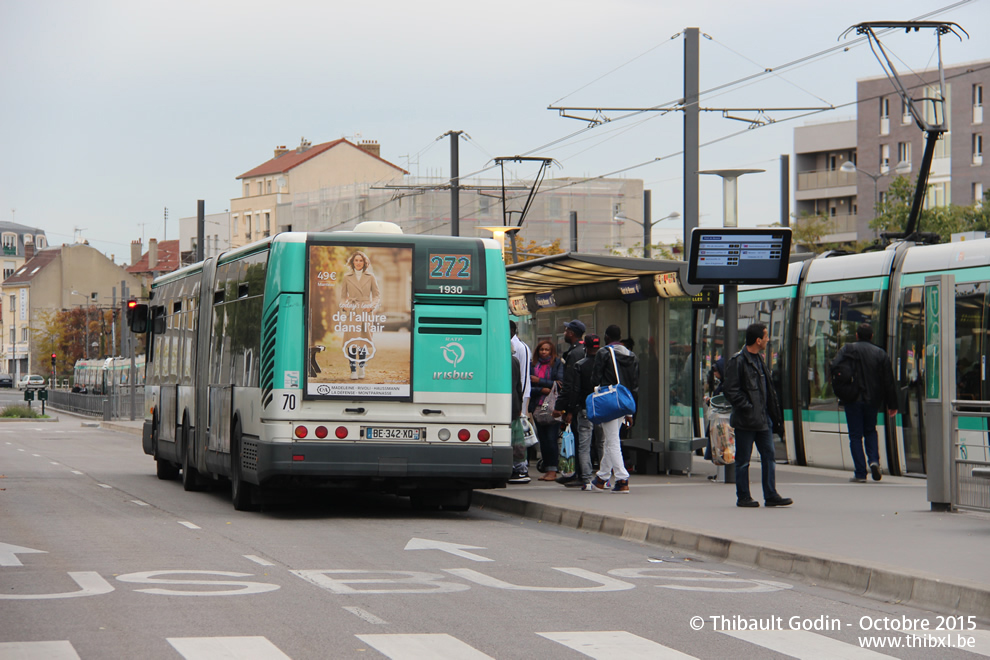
[822, 179]
[837, 226]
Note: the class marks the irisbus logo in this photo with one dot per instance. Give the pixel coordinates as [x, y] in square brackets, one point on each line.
[453, 353]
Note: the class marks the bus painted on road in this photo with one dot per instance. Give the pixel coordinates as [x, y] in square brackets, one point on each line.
[365, 359]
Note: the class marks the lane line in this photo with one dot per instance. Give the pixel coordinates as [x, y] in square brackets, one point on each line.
[614, 645]
[104, 486]
[226, 648]
[189, 525]
[366, 615]
[258, 560]
[140, 503]
[38, 650]
[423, 647]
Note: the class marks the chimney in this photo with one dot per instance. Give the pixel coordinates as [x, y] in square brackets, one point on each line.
[280, 150]
[152, 253]
[372, 147]
[304, 145]
[135, 252]
[28, 251]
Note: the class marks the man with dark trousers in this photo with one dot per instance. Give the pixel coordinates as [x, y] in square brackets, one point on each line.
[574, 336]
[748, 387]
[876, 391]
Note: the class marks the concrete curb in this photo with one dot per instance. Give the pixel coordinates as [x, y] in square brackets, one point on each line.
[120, 428]
[871, 580]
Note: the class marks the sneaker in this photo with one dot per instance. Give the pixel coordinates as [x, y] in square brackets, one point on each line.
[598, 485]
[857, 480]
[875, 472]
[519, 478]
[621, 486]
[566, 479]
[588, 487]
[779, 501]
[748, 503]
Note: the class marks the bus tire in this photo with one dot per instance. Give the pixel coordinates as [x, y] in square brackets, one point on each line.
[190, 476]
[244, 495]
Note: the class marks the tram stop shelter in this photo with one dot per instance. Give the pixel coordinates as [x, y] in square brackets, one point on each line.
[651, 301]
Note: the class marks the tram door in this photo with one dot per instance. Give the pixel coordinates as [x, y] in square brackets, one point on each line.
[972, 326]
[908, 371]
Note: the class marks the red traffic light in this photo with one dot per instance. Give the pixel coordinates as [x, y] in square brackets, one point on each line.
[53, 356]
[131, 304]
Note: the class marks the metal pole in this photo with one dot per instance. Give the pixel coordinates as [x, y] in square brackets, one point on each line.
[455, 219]
[647, 223]
[691, 134]
[572, 215]
[785, 190]
[200, 228]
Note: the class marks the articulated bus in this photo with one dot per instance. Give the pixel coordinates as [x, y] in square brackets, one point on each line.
[817, 311]
[365, 359]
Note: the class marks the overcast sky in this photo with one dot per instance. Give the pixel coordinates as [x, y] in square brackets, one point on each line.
[113, 110]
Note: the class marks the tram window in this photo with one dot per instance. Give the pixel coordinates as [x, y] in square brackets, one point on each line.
[832, 320]
[971, 325]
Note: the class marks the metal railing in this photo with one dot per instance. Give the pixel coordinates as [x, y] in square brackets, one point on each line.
[970, 454]
[115, 405]
[819, 179]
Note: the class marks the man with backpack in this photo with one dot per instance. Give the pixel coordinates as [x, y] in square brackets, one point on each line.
[863, 381]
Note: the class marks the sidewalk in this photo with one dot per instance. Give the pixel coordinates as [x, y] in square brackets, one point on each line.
[880, 540]
[876, 539]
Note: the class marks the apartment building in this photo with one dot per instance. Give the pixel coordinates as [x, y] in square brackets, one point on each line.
[844, 168]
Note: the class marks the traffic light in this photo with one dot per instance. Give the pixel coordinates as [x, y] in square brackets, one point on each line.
[131, 304]
[53, 359]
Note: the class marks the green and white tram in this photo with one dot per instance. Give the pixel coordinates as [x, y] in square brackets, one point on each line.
[368, 359]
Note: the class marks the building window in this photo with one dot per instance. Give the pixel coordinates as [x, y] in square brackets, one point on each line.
[269, 184]
[13, 303]
[13, 335]
[906, 117]
[978, 194]
[41, 242]
[484, 205]
[938, 195]
[247, 189]
[268, 224]
[903, 152]
[247, 225]
[24, 333]
[884, 116]
[261, 190]
[977, 148]
[884, 158]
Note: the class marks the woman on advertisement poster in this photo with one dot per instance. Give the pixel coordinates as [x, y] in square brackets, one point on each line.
[360, 294]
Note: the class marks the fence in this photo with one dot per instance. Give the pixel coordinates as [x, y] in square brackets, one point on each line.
[970, 470]
[116, 405]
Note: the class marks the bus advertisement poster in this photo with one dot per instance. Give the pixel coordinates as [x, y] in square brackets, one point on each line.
[359, 325]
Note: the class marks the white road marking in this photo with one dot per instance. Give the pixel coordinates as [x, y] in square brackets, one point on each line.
[76, 472]
[36, 455]
[453, 548]
[804, 645]
[53, 462]
[614, 645]
[226, 648]
[259, 560]
[8, 554]
[189, 525]
[104, 486]
[140, 503]
[38, 651]
[604, 583]
[366, 615]
[423, 647]
[90, 582]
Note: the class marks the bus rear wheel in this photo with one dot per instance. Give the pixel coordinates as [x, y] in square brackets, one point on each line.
[244, 495]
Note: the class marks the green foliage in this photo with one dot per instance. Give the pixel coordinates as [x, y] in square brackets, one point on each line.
[892, 215]
[19, 411]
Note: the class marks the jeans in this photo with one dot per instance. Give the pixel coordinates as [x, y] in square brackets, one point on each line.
[582, 449]
[744, 450]
[548, 435]
[862, 421]
[612, 463]
[519, 462]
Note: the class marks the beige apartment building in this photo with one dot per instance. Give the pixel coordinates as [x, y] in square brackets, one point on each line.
[306, 168]
[54, 279]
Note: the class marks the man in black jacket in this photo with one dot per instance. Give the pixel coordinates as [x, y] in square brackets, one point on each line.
[614, 355]
[577, 386]
[566, 399]
[876, 390]
[755, 415]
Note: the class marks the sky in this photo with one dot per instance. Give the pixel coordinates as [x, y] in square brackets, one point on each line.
[112, 111]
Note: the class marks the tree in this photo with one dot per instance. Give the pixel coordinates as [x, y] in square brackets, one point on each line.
[941, 220]
[530, 251]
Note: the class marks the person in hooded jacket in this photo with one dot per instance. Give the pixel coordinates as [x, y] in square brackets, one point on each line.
[548, 370]
[604, 374]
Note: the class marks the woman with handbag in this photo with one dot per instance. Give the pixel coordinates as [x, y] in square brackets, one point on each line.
[548, 375]
[614, 365]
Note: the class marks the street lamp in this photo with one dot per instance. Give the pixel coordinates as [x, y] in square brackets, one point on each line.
[849, 167]
[647, 228]
[76, 293]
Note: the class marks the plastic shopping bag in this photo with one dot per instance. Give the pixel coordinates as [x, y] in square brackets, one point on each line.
[565, 463]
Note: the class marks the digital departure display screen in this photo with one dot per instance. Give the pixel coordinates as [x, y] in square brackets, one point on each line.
[739, 256]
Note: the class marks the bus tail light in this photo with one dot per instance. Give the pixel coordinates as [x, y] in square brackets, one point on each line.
[321, 432]
[484, 435]
[301, 432]
[340, 432]
[463, 435]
